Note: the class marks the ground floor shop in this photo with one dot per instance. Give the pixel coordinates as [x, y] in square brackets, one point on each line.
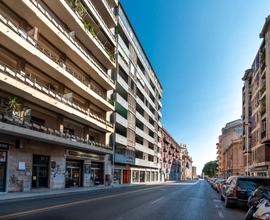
[260, 171]
[26, 165]
[128, 175]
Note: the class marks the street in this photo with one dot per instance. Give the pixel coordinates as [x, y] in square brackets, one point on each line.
[187, 200]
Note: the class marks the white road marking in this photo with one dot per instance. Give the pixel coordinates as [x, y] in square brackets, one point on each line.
[157, 200]
[216, 200]
[220, 214]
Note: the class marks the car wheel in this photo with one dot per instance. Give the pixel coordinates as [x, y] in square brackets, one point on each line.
[227, 203]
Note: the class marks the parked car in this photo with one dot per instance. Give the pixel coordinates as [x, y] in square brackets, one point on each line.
[237, 189]
[219, 184]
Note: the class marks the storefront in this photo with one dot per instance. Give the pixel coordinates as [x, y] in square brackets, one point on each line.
[142, 176]
[84, 169]
[73, 177]
[3, 165]
[260, 171]
[135, 176]
[97, 173]
[117, 176]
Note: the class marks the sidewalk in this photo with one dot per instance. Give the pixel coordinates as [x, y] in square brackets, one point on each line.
[44, 193]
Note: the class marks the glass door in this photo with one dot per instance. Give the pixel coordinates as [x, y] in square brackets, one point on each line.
[40, 171]
[3, 162]
[73, 173]
[2, 177]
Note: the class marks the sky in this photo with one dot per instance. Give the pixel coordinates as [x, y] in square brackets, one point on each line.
[199, 50]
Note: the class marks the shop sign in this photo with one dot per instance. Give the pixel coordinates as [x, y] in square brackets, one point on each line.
[84, 155]
[3, 156]
[262, 168]
[4, 146]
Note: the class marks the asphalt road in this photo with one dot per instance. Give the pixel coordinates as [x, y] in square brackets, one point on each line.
[187, 201]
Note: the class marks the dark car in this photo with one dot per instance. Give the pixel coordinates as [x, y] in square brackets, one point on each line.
[237, 189]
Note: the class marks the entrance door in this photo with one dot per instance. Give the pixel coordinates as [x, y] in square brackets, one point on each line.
[73, 173]
[126, 176]
[2, 177]
[40, 178]
[3, 160]
[97, 173]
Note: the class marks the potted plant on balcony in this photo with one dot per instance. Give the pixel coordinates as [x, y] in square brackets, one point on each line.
[89, 28]
[14, 108]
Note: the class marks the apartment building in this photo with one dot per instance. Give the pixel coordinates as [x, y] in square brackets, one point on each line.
[170, 158]
[256, 109]
[230, 152]
[186, 163]
[137, 117]
[56, 86]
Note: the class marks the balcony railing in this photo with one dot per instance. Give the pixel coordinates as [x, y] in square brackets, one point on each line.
[61, 28]
[22, 77]
[101, 19]
[55, 58]
[9, 118]
[80, 11]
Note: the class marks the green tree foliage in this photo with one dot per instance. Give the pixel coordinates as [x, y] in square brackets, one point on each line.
[210, 168]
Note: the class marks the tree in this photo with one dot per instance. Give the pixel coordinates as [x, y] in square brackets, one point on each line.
[210, 168]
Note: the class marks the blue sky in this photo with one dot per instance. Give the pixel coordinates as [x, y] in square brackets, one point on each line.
[199, 50]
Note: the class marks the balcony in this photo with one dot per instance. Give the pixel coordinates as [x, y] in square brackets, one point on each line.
[101, 21]
[121, 120]
[121, 101]
[122, 82]
[139, 101]
[144, 163]
[144, 121]
[123, 46]
[41, 16]
[144, 135]
[11, 125]
[19, 84]
[106, 12]
[79, 20]
[144, 149]
[51, 63]
[120, 139]
[123, 63]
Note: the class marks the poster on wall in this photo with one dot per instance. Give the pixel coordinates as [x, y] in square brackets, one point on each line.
[3, 156]
[87, 168]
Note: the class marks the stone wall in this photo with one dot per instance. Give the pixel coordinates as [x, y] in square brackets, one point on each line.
[21, 180]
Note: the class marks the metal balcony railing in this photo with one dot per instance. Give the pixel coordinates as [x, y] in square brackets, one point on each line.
[103, 22]
[22, 77]
[53, 57]
[9, 118]
[80, 11]
[63, 30]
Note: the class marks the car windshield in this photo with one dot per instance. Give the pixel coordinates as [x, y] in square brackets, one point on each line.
[252, 184]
